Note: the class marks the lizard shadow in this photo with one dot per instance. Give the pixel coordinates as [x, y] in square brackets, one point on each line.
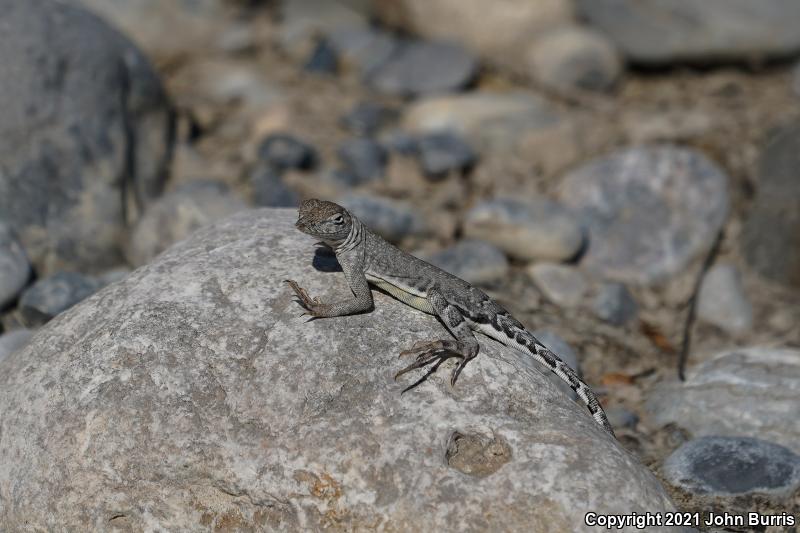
[324, 260]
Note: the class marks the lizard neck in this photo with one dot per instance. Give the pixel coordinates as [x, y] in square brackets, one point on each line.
[353, 239]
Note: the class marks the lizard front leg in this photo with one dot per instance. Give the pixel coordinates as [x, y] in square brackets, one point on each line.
[360, 302]
[465, 346]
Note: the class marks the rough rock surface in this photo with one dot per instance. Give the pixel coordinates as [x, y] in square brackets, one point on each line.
[750, 392]
[191, 396]
[664, 31]
[649, 210]
[84, 123]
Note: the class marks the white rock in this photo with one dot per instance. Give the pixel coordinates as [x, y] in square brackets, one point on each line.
[723, 302]
[191, 395]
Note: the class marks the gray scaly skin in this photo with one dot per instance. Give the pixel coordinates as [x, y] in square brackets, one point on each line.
[367, 259]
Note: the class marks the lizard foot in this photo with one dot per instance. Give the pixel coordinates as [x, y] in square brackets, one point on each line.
[311, 305]
[436, 352]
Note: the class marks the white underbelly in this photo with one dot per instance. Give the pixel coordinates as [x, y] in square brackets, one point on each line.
[408, 296]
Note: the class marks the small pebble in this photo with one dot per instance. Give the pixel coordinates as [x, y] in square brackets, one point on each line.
[573, 57]
[614, 304]
[365, 158]
[440, 153]
[14, 266]
[563, 285]
[269, 189]
[285, 152]
[52, 295]
[419, 67]
[13, 340]
[366, 118]
[363, 49]
[537, 229]
[723, 302]
[323, 59]
[724, 466]
[471, 260]
[390, 219]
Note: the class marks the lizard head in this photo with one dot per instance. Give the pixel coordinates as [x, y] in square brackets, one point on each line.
[325, 220]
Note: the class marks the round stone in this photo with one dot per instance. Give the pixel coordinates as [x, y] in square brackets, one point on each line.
[649, 210]
[723, 302]
[530, 230]
[284, 151]
[573, 58]
[474, 261]
[733, 465]
[52, 295]
[443, 152]
[365, 158]
[425, 67]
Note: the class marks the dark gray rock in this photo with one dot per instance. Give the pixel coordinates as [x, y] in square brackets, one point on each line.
[749, 392]
[192, 397]
[269, 189]
[771, 233]
[363, 49]
[575, 58]
[283, 151]
[85, 132]
[535, 229]
[177, 215]
[419, 67]
[442, 152]
[365, 158]
[391, 219]
[304, 21]
[52, 295]
[723, 302]
[13, 340]
[367, 118]
[323, 59]
[614, 303]
[475, 261]
[564, 285]
[733, 465]
[14, 266]
[667, 31]
[649, 210]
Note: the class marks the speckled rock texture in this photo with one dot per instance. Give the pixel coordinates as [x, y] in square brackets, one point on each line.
[191, 396]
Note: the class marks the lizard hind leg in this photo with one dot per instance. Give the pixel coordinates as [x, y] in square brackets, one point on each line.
[436, 352]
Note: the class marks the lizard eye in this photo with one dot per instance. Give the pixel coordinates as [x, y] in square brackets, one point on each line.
[338, 219]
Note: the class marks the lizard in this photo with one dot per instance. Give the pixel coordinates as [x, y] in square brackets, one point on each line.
[367, 259]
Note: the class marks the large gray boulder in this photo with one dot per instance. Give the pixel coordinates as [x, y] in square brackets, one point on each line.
[85, 129]
[191, 396]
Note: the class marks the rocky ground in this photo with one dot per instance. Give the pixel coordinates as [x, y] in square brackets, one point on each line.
[577, 166]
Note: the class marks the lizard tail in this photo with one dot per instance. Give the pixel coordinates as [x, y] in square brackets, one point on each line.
[530, 344]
